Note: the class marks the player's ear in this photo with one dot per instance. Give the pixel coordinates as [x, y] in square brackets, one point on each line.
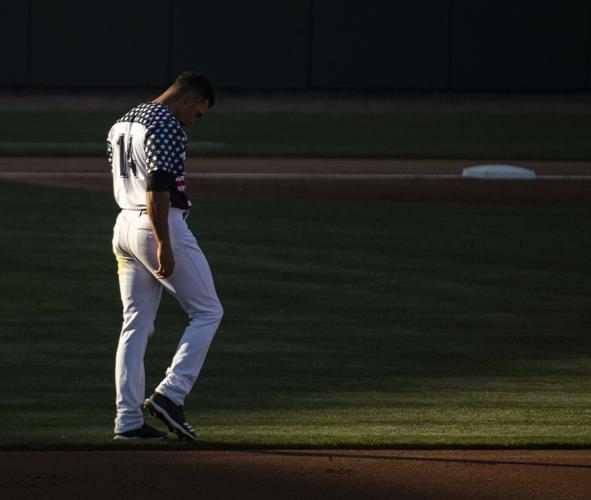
[189, 100]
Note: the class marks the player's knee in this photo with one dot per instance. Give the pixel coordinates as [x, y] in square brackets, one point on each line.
[136, 326]
[218, 311]
[213, 311]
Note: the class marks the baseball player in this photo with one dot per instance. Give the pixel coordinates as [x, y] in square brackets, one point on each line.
[155, 249]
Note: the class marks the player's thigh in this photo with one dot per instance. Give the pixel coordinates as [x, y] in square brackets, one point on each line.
[191, 283]
[143, 243]
[140, 290]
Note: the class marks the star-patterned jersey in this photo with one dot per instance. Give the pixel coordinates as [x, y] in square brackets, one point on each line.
[146, 142]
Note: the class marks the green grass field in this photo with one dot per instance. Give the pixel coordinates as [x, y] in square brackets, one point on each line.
[348, 324]
[531, 136]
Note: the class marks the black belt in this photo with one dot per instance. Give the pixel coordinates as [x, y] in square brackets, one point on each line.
[185, 214]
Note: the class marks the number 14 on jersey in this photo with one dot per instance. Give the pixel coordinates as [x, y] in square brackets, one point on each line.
[126, 161]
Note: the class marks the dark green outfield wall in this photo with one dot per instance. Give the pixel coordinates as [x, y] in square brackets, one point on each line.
[418, 44]
[520, 44]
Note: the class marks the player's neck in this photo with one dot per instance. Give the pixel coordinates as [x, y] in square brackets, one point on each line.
[170, 100]
[166, 98]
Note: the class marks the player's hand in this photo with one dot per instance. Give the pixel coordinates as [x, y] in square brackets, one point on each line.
[165, 261]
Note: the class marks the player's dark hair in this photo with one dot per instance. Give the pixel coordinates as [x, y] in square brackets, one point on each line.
[196, 83]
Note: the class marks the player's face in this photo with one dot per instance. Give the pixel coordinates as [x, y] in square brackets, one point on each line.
[193, 108]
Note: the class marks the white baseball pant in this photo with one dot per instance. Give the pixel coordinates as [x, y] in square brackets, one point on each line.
[191, 283]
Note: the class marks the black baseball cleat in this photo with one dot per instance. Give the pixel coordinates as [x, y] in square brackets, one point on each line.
[172, 415]
[144, 432]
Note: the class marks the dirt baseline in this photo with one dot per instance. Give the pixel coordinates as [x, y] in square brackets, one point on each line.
[94, 173]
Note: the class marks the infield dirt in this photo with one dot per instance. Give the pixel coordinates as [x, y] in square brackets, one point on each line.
[454, 190]
[393, 474]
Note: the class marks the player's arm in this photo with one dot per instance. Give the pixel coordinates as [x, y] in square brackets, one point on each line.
[158, 206]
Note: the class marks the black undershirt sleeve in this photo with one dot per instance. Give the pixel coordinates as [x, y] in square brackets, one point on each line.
[160, 181]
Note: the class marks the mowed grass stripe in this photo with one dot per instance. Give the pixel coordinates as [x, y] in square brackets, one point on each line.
[532, 136]
[364, 324]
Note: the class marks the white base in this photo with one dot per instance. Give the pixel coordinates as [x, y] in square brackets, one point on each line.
[498, 172]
